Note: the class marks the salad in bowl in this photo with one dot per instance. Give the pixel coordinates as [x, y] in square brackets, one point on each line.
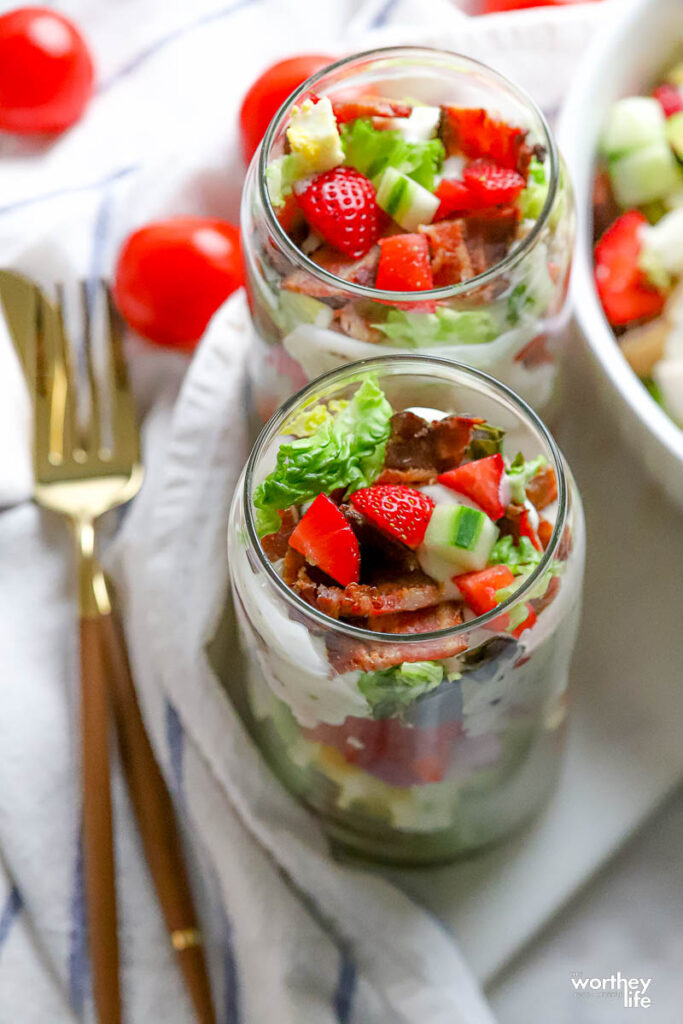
[406, 551]
[407, 200]
[638, 222]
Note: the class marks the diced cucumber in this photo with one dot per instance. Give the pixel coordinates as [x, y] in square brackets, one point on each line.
[460, 535]
[298, 309]
[663, 245]
[674, 133]
[403, 199]
[633, 122]
[434, 564]
[645, 175]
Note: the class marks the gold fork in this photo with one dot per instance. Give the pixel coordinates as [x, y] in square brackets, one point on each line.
[81, 476]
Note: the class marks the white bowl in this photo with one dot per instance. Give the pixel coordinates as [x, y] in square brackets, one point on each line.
[624, 59]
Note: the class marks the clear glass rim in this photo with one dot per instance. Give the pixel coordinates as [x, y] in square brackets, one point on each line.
[451, 291]
[367, 366]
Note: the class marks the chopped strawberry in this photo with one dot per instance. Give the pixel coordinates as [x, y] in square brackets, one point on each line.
[481, 481]
[527, 530]
[368, 106]
[528, 622]
[340, 206]
[625, 292]
[289, 214]
[324, 538]
[474, 133]
[404, 264]
[400, 511]
[479, 588]
[670, 99]
[491, 183]
[456, 198]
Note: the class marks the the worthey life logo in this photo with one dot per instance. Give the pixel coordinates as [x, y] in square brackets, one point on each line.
[635, 990]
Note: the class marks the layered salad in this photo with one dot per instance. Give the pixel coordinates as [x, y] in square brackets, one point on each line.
[638, 225]
[375, 195]
[411, 686]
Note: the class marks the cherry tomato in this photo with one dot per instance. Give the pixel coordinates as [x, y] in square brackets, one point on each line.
[269, 92]
[493, 6]
[172, 276]
[46, 71]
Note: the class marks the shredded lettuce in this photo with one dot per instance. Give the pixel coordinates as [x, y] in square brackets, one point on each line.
[443, 326]
[520, 558]
[344, 451]
[305, 423]
[486, 440]
[370, 151]
[390, 690]
[520, 473]
[532, 200]
[281, 174]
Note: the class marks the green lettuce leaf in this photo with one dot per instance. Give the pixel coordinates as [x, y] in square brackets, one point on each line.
[520, 473]
[443, 326]
[390, 690]
[344, 451]
[281, 174]
[370, 151]
[486, 440]
[532, 199]
[520, 558]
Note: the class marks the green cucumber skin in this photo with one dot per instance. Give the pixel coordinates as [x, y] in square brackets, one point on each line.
[467, 528]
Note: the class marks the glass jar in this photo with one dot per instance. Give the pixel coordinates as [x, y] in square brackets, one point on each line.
[308, 321]
[469, 761]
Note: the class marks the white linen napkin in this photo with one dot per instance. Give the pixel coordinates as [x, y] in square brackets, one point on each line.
[292, 936]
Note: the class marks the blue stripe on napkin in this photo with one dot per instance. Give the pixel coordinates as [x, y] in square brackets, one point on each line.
[175, 742]
[346, 987]
[10, 911]
[383, 14]
[79, 964]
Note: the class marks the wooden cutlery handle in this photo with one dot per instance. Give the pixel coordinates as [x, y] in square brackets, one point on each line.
[156, 821]
[98, 839]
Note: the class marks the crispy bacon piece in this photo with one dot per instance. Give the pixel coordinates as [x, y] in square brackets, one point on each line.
[359, 600]
[542, 488]
[488, 239]
[378, 549]
[292, 565]
[605, 207]
[368, 106]
[352, 323]
[545, 532]
[346, 655]
[276, 545]
[509, 524]
[417, 451]
[450, 256]
[536, 352]
[539, 603]
[360, 271]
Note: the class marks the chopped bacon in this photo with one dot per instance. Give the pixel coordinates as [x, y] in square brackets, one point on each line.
[352, 323]
[379, 549]
[509, 524]
[276, 544]
[450, 256]
[552, 590]
[564, 548]
[368, 106]
[292, 565]
[346, 655]
[359, 271]
[605, 207]
[417, 451]
[542, 488]
[358, 600]
[536, 353]
[451, 437]
[488, 239]
[545, 532]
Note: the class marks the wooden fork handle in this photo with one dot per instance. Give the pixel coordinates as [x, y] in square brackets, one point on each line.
[156, 821]
[98, 840]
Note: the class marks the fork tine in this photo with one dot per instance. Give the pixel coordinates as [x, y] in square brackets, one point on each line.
[63, 423]
[124, 426]
[94, 434]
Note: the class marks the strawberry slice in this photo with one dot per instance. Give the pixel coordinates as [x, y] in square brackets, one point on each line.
[625, 292]
[492, 184]
[326, 540]
[456, 199]
[471, 131]
[400, 511]
[670, 99]
[479, 588]
[481, 481]
[340, 207]
[404, 264]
